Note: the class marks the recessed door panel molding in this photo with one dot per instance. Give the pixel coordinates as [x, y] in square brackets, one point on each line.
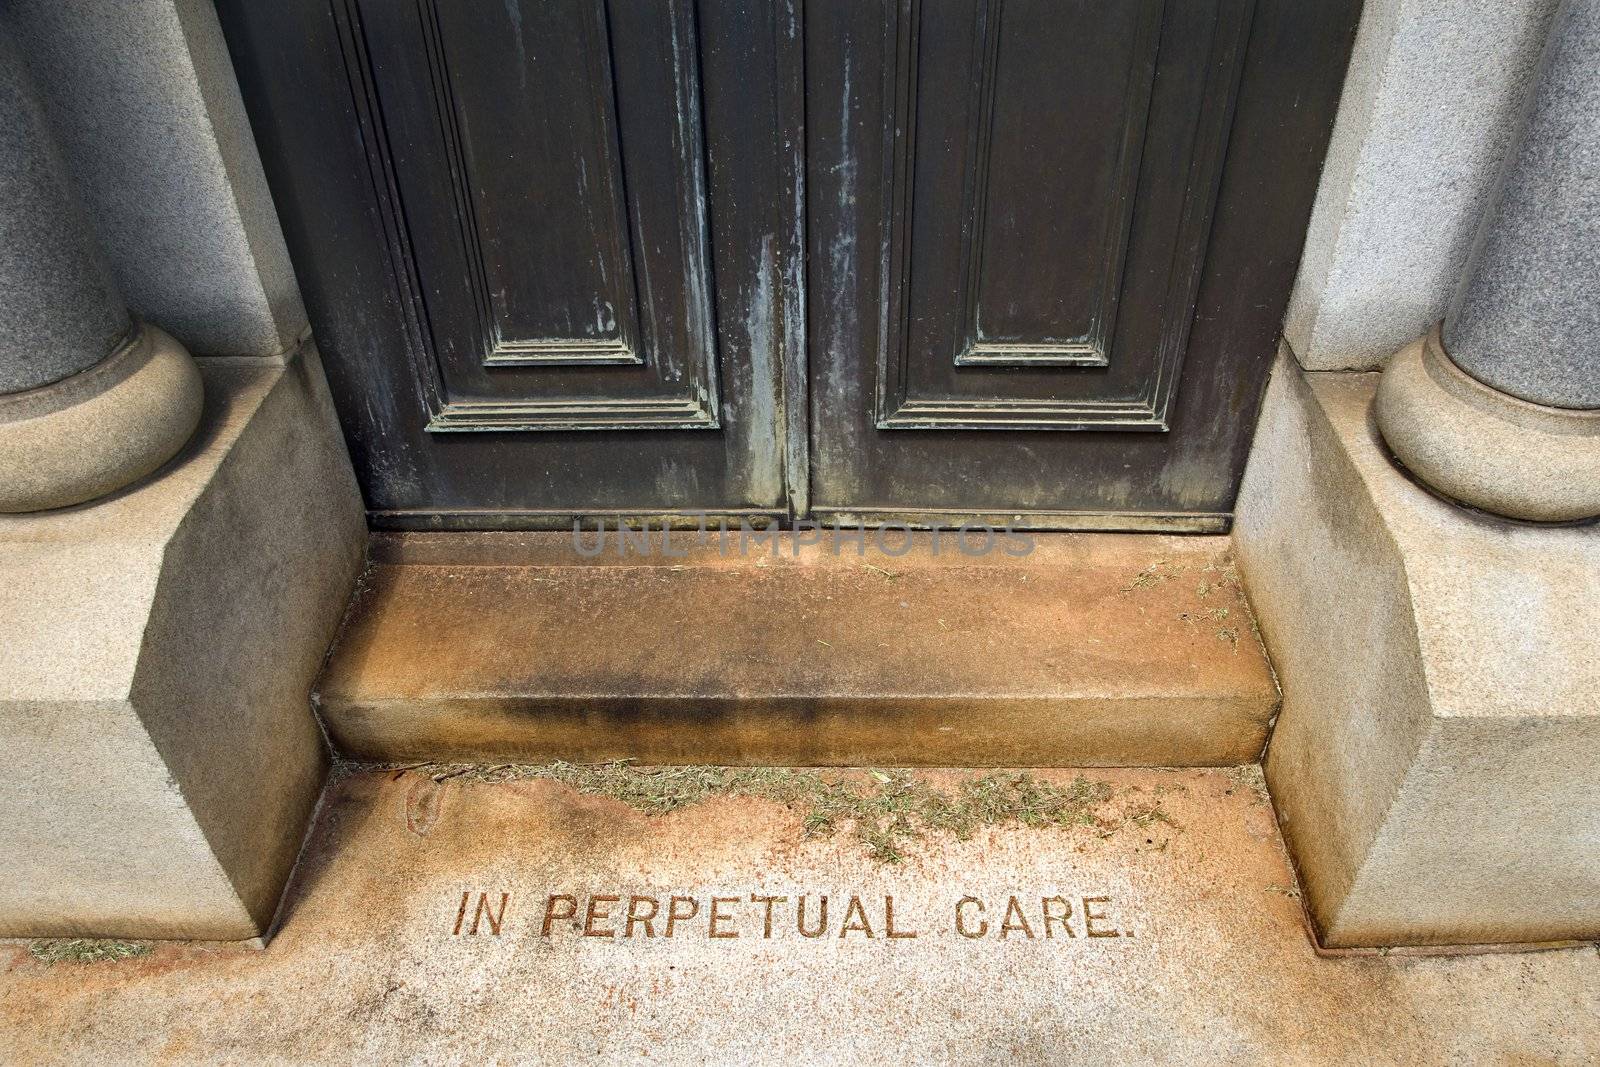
[1018, 217]
[566, 230]
[1015, 141]
[1033, 216]
[567, 286]
[528, 316]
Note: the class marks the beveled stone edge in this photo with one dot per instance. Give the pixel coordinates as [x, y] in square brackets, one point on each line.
[1414, 950]
[1321, 396]
[240, 390]
[1313, 424]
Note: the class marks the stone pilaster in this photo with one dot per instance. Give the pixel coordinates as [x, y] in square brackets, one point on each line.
[90, 398]
[1432, 764]
[1500, 408]
[157, 647]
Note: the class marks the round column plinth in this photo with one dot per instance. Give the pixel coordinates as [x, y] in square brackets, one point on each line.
[1486, 448]
[101, 429]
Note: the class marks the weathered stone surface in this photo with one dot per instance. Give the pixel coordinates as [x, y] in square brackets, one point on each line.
[1431, 105]
[101, 429]
[60, 312]
[1096, 649]
[1525, 319]
[1434, 761]
[1483, 447]
[156, 654]
[154, 130]
[1210, 965]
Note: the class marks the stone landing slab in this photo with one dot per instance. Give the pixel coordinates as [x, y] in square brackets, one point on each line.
[1088, 650]
[1174, 939]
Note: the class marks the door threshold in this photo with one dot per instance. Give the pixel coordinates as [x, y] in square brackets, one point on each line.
[477, 520]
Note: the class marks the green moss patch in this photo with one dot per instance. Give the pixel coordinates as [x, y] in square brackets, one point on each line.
[885, 810]
[85, 950]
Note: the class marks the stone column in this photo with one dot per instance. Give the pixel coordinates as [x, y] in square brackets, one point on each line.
[1499, 406]
[91, 399]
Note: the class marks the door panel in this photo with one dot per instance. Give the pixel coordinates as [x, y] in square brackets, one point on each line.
[1013, 143]
[1012, 185]
[548, 246]
[568, 285]
[925, 260]
[1011, 210]
[1022, 303]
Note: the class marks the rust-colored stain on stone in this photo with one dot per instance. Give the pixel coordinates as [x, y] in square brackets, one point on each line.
[500, 933]
[1097, 649]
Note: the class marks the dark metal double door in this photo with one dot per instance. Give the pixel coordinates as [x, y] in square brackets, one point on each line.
[924, 260]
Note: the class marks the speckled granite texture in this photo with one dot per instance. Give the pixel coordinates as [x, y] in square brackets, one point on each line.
[157, 137]
[60, 312]
[1526, 320]
[1429, 110]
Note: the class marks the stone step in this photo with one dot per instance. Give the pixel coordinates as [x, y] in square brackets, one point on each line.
[1091, 649]
[452, 915]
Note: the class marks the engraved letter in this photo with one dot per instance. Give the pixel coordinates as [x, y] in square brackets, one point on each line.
[822, 919]
[857, 923]
[1090, 918]
[766, 926]
[888, 921]
[482, 912]
[717, 917]
[550, 915]
[462, 912]
[961, 926]
[591, 913]
[674, 916]
[1007, 926]
[1065, 918]
[642, 920]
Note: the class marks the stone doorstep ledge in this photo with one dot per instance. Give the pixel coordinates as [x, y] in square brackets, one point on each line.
[1093, 650]
[1434, 761]
[156, 653]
